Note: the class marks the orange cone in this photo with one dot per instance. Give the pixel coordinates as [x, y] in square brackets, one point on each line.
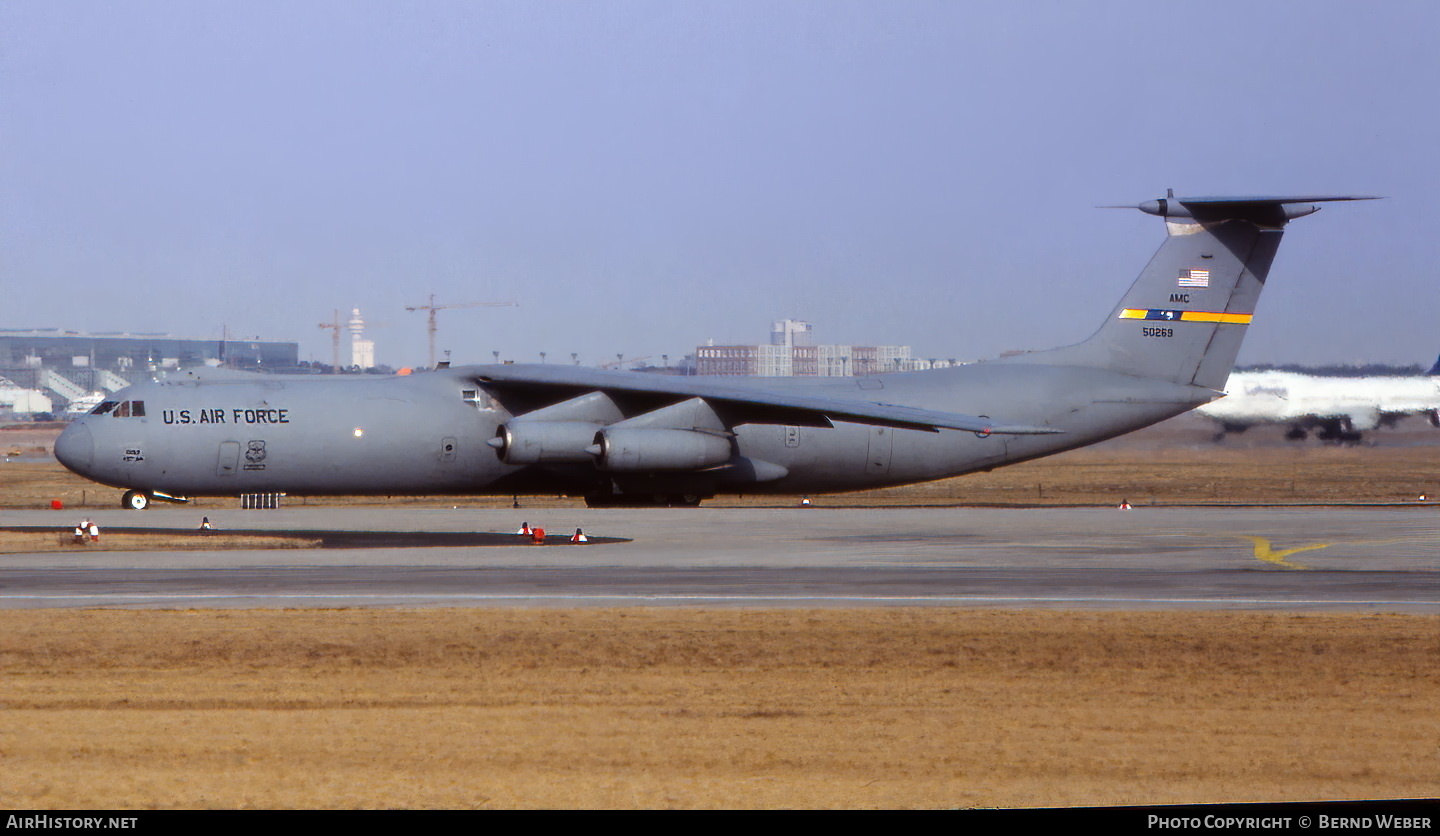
[524, 529]
[579, 537]
[1124, 505]
[537, 536]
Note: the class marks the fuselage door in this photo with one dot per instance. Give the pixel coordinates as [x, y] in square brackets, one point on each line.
[877, 462]
[229, 460]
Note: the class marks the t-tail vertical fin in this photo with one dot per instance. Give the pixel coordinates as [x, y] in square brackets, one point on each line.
[1184, 318]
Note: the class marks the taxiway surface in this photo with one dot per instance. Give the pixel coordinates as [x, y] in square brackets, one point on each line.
[1359, 559]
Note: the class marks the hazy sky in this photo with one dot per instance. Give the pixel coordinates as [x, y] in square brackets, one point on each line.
[643, 176]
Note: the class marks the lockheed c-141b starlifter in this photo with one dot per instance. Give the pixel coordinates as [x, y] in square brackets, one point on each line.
[631, 438]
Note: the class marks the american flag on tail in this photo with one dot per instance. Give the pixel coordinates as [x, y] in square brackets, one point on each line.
[1192, 277]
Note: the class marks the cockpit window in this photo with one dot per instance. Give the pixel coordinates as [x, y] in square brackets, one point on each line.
[128, 409]
[104, 407]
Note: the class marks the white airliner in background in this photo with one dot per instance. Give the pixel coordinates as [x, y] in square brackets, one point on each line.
[1336, 408]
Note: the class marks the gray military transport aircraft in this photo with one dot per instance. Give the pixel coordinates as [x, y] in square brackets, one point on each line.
[626, 438]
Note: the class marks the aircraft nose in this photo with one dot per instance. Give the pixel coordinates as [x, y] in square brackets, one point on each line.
[75, 447]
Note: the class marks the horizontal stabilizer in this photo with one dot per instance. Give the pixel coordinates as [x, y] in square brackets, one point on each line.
[1262, 210]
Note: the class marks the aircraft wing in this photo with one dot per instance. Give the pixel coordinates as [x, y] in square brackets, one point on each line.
[535, 386]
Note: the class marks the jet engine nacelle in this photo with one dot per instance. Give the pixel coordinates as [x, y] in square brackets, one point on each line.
[536, 442]
[634, 449]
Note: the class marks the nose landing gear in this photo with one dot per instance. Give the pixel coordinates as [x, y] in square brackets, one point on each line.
[140, 500]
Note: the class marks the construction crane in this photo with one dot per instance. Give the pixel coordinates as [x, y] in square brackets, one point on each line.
[432, 308]
[335, 341]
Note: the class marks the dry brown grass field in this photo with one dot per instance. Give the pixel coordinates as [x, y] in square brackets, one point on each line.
[905, 707]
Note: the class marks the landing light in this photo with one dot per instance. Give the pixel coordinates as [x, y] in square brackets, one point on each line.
[359, 432]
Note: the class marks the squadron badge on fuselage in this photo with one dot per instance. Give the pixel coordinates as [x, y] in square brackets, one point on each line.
[255, 455]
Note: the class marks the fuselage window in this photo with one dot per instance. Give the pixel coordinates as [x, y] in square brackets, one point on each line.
[137, 409]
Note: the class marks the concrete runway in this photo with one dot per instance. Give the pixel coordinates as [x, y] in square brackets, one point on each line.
[1354, 559]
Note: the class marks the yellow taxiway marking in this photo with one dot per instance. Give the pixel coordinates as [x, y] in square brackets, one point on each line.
[1269, 555]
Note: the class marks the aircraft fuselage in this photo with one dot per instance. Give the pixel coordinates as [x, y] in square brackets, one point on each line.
[427, 433]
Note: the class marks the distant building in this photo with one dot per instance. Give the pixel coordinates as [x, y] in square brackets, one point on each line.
[18, 402]
[792, 353]
[792, 332]
[53, 348]
[362, 351]
[684, 367]
[67, 366]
